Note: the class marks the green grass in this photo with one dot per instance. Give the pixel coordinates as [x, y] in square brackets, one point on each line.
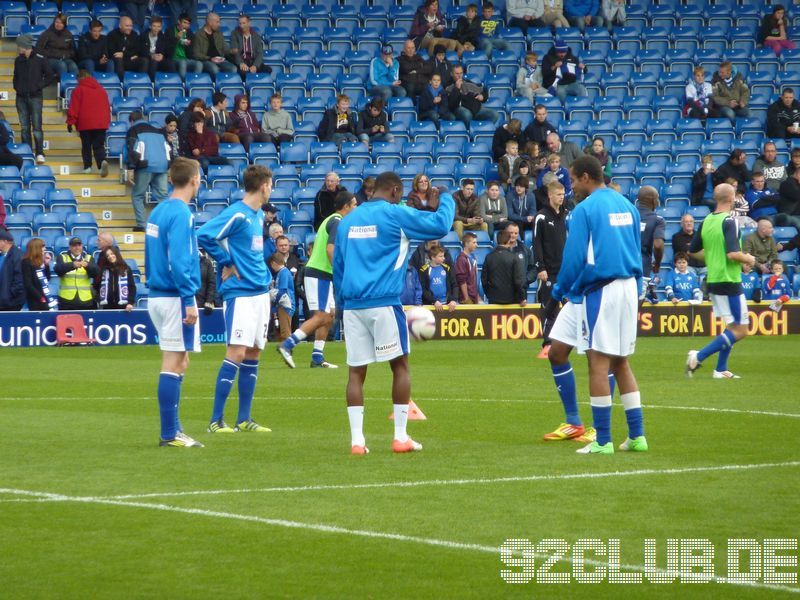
[83, 422]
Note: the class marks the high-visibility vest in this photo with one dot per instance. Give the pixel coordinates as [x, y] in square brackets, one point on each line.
[76, 283]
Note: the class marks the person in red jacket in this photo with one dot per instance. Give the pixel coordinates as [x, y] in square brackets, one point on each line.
[203, 143]
[90, 113]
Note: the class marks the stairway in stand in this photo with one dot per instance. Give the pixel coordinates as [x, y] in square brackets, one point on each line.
[108, 200]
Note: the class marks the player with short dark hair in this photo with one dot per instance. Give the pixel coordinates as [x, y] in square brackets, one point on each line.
[233, 239]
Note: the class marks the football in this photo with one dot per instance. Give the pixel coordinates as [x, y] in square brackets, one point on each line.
[421, 323]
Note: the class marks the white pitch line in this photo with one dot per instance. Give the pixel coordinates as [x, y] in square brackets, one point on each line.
[449, 482]
[380, 535]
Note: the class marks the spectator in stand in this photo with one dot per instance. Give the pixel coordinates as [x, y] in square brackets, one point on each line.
[339, 123]
[32, 75]
[490, 27]
[366, 191]
[219, 120]
[178, 8]
[794, 163]
[735, 168]
[468, 29]
[503, 274]
[384, 75]
[508, 165]
[125, 47]
[468, 210]
[566, 150]
[740, 208]
[373, 123]
[203, 144]
[438, 64]
[57, 46]
[751, 284]
[540, 128]
[179, 47]
[412, 290]
[438, 281]
[761, 245]
[583, 13]
[553, 15]
[562, 175]
[245, 122]
[521, 204]
[773, 31]
[210, 49]
[777, 284]
[420, 256]
[789, 204]
[414, 72]
[774, 170]
[730, 93]
[282, 295]
[598, 149]
[207, 294]
[504, 134]
[562, 72]
[432, 102]
[653, 226]
[467, 270]
[494, 211]
[274, 231]
[681, 242]
[613, 13]
[247, 49]
[681, 285]
[422, 195]
[529, 79]
[77, 271]
[532, 174]
[792, 244]
[36, 277]
[535, 160]
[326, 196]
[762, 201]
[149, 158]
[525, 14]
[549, 237]
[7, 157]
[137, 10]
[12, 286]
[702, 184]
[524, 253]
[115, 285]
[186, 120]
[429, 27]
[90, 113]
[698, 96]
[277, 123]
[465, 99]
[170, 131]
[154, 49]
[92, 54]
[783, 116]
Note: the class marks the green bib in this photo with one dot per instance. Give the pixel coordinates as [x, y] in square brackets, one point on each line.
[721, 269]
[319, 255]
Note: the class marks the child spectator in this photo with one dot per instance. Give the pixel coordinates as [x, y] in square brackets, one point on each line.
[219, 119]
[468, 28]
[740, 207]
[529, 79]
[762, 201]
[490, 28]
[339, 123]
[203, 144]
[777, 284]
[438, 281]
[698, 96]
[277, 123]
[554, 166]
[508, 165]
[373, 124]
[521, 204]
[681, 284]
[245, 123]
[282, 294]
[751, 283]
[432, 105]
[467, 269]
[438, 63]
[412, 290]
[535, 161]
[598, 149]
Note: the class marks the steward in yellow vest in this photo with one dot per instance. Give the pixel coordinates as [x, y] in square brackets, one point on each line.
[77, 271]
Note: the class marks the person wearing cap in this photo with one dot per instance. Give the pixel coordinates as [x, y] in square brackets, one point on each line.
[438, 64]
[384, 76]
[583, 13]
[31, 75]
[12, 288]
[77, 271]
[270, 215]
[429, 26]
[525, 14]
[57, 45]
[562, 73]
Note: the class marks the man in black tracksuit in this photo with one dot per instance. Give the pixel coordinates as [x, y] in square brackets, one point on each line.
[549, 237]
[31, 75]
[503, 275]
[782, 116]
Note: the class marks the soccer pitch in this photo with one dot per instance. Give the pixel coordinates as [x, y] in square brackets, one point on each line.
[92, 507]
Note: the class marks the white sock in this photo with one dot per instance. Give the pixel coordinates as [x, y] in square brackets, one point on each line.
[300, 334]
[400, 420]
[631, 400]
[319, 345]
[356, 416]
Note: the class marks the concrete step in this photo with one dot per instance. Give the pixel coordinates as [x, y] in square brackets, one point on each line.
[101, 191]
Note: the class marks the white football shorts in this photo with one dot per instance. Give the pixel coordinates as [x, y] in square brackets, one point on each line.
[565, 329]
[609, 319]
[247, 321]
[319, 293]
[375, 334]
[167, 314]
[731, 308]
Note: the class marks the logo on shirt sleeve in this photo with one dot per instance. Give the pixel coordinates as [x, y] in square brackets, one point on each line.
[152, 230]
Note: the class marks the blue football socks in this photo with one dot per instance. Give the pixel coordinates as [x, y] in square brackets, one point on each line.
[169, 391]
[225, 379]
[601, 414]
[564, 377]
[248, 376]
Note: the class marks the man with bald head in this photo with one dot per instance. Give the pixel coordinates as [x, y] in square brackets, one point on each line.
[124, 47]
[566, 150]
[653, 226]
[717, 242]
[210, 48]
[326, 198]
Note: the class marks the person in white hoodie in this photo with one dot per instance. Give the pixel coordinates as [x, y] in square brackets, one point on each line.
[698, 95]
[525, 14]
[277, 123]
[613, 13]
[529, 78]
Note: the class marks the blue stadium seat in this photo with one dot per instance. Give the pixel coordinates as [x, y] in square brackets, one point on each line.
[698, 212]
[208, 199]
[223, 177]
[82, 224]
[690, 129]
[38, 176]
